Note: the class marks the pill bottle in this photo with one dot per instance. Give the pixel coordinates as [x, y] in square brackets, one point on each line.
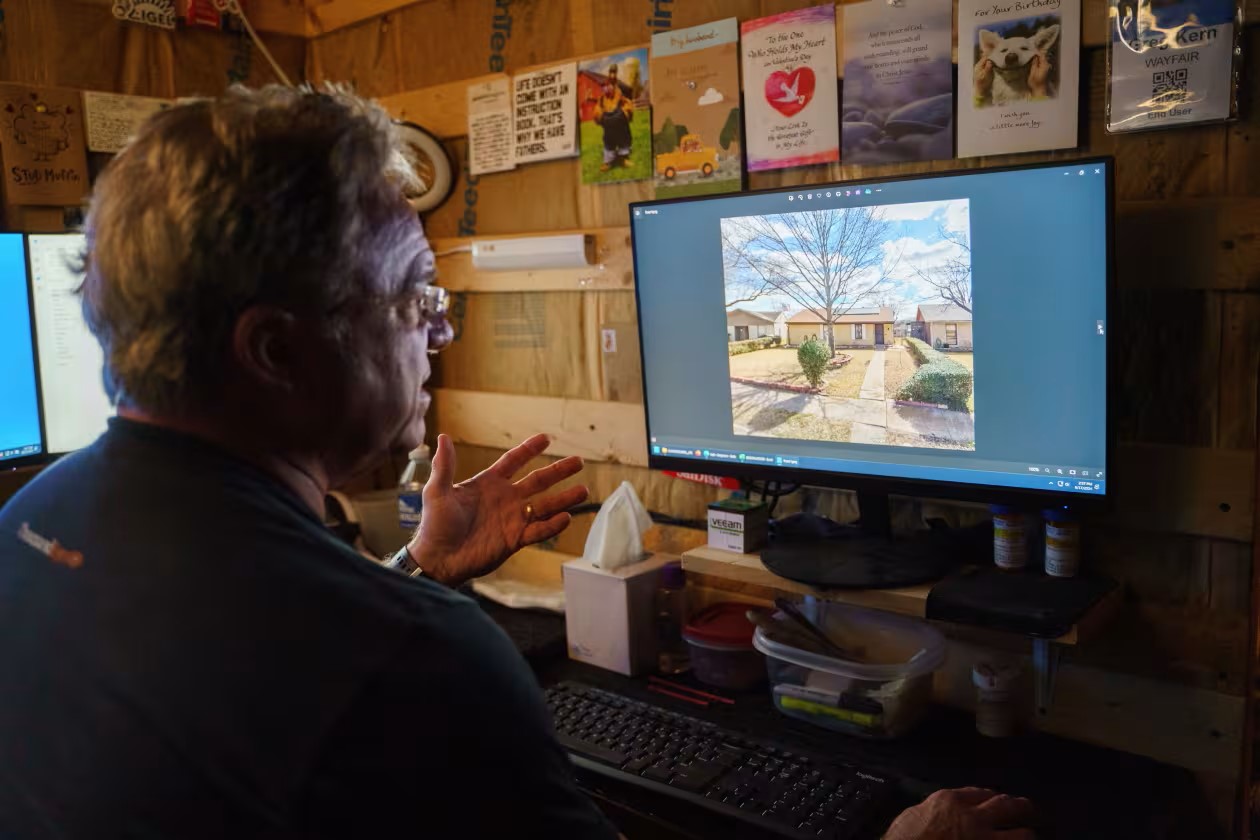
[1010, 545]
[995, 698]
[1063, 542]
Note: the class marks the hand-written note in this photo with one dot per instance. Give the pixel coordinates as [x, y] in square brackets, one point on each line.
[490, 127]
[41, 139]
[544, 114]
[112, 119]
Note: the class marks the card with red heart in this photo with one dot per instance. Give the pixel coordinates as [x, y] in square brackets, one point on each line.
[790, 90]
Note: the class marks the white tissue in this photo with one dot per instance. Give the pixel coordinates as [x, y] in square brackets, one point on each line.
[616, 536]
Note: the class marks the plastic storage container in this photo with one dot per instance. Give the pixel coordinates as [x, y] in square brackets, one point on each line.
[722, 652]
[882, 696]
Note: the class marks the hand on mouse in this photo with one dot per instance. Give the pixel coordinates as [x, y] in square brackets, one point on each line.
[965, 814]
[468, 529]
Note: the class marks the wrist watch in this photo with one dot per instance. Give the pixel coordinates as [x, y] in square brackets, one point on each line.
[404, 562]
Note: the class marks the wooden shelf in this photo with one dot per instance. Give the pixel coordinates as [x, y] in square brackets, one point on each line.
[910, 600]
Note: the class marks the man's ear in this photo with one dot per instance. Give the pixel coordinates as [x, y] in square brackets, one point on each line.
[1045, 38]
[263, 345]
[988, 40]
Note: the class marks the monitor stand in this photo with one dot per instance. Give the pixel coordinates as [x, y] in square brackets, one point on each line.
[821, 552]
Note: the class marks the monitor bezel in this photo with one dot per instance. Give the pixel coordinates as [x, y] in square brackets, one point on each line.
[48, 456]
[918, 487]
[39, 458]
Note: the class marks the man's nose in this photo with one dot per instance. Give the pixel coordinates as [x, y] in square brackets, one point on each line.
[441, 334]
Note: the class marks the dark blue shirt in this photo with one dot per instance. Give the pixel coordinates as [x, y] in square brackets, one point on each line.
[218, 665]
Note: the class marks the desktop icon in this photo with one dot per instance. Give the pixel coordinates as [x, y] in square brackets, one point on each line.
[741, 456]
[828, 195]
[1082, 172]
[778, 459]
[868, 192]
[697, 453]
[846, 192]
[706, 453]
[790, 197]
[656, 450]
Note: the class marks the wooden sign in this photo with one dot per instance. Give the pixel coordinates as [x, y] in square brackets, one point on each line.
[41, 139]
[160, 13]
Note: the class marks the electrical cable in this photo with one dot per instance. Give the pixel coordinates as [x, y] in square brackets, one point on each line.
[234, 7]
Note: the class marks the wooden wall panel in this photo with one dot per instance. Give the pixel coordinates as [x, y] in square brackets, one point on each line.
[79, 44]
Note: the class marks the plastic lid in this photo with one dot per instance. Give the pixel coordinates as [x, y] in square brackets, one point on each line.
[1004, 509]
[721, 624]
[994, 677]
[420, 454]
[672, 575]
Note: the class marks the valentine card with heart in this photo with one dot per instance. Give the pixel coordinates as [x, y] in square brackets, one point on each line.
[790, 92]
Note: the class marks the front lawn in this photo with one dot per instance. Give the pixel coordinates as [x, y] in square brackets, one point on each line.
[779, 365]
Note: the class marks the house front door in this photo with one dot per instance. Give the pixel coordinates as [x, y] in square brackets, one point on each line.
[741, 333]
[879, 333]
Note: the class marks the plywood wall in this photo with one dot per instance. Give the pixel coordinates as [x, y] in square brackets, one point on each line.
[1189, 345]
[79, 44]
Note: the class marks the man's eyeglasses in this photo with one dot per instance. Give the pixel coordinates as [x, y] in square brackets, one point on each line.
[428, 308]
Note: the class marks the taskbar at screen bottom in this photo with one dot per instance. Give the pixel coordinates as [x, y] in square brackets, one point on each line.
[1047, 478]
[20, 452]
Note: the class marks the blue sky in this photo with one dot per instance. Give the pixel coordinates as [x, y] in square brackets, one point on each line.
[914, 241]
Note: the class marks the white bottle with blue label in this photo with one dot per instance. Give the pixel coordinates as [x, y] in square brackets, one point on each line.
[411, 488]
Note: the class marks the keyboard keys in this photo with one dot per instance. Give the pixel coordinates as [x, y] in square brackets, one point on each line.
[750, 781]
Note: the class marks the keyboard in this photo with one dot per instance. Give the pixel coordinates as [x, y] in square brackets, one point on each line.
[753, 781]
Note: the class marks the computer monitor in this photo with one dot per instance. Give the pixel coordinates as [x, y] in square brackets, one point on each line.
[21, 440]
[75, 404]
[968, 313]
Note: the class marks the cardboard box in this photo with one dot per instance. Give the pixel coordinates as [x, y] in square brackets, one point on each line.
[738, 525]
[609, 616]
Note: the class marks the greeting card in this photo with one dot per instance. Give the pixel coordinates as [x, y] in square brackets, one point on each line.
[697, 134]
[898, 81]
[790, 89]
[616, 117]
[490, 127]
[41, 139]
[1018, 75]
[543, 122]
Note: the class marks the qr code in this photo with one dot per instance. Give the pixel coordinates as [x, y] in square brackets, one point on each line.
[1169, 85]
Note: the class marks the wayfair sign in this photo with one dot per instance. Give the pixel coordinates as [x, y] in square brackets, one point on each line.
[150, 12]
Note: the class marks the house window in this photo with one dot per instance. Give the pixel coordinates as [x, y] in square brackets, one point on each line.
[857, 332]
[951, 333]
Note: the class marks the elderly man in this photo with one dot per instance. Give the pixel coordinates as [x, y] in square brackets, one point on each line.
[216, 665]
[186, 650]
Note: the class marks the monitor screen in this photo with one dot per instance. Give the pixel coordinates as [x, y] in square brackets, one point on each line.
[76, 407]
[19, 400]
[918, 334]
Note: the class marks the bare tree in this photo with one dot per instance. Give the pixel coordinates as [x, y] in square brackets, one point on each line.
[742, 285]
[826, 261]
[952, 277]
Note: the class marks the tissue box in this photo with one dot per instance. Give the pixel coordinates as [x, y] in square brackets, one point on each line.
[737, 525]
[608, 616]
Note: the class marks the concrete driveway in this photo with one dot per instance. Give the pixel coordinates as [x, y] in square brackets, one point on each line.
[872, 417]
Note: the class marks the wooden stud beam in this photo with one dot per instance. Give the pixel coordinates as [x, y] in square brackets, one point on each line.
[600, 431]
[313, 18]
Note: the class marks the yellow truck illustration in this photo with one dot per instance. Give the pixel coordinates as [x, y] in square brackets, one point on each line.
[690, 156]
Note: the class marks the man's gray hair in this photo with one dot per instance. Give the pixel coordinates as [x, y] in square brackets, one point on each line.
[274, 196]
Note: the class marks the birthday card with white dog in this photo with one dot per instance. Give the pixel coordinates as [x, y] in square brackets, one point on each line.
[1018, 75]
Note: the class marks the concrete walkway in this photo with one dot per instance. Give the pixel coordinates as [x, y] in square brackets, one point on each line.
[873, 382]
[870, 419]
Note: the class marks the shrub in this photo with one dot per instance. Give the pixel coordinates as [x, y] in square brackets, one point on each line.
[938, 380]
[813, 356]
[736, 348]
